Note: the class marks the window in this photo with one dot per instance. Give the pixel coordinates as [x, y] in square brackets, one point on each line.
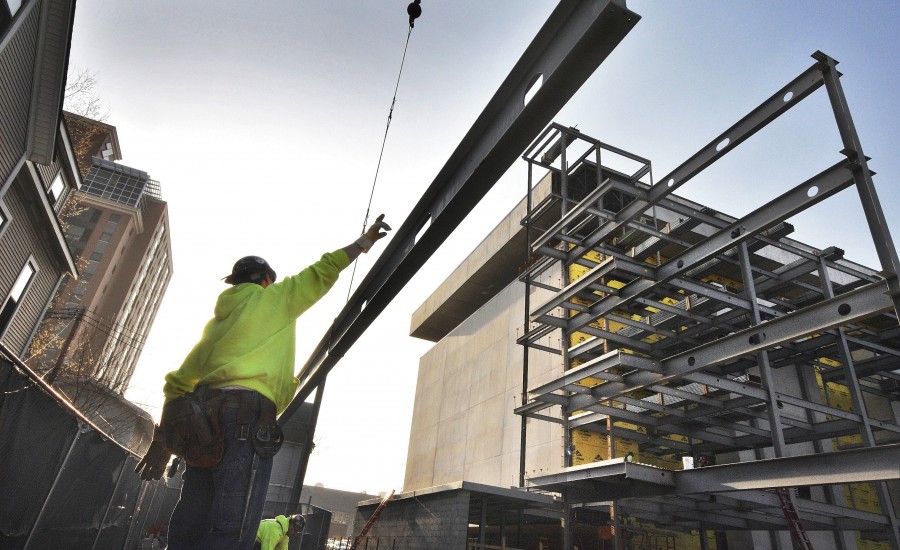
[57, 189]
[16, 294]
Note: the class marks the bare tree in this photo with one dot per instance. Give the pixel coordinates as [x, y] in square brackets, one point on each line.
[62, 354]
[81, 94]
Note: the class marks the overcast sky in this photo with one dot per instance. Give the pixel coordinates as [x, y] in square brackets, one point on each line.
[263, 121]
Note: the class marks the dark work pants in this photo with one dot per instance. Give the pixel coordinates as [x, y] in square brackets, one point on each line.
[210, 512]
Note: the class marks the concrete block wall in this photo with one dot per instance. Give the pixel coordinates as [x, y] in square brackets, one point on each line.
[436, 521]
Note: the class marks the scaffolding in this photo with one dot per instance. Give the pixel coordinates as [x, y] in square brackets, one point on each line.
[689, 337]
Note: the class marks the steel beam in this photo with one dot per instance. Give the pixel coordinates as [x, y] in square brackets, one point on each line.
[880, 463]
[858, 304]
[574, 41]
[617, 479]
[785, 98]
[808, 193]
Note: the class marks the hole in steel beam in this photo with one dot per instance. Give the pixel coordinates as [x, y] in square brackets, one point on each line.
[691, 361]
[671, 182]
[533, 87]
[788, 96]
[844, 309]
[680, 264]
[425, 225]
[757, 338]
[812, 191]
[723, 144]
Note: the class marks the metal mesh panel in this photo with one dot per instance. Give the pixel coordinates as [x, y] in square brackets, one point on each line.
[117, 518]
[63, 483]
[37, 436]
[89, 477]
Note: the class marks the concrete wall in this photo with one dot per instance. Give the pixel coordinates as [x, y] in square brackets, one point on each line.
[463, 426]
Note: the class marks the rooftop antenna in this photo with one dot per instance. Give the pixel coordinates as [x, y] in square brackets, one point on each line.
[414, 10]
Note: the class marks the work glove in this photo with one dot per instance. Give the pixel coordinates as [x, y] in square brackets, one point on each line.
[375, 231]
[152, 466]
[173, 469]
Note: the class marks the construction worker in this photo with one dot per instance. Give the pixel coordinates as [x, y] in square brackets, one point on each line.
[221, 403]
[273, 533]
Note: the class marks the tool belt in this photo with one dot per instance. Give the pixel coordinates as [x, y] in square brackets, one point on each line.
[265, 434]
[191, 430]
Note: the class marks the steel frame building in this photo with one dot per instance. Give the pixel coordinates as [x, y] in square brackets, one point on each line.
[710, 382]
[688, 333]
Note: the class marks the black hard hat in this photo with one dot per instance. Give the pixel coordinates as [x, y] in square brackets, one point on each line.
[249, 269]
[298, 520]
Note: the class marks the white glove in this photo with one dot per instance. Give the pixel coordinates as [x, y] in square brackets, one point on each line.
[375, 231]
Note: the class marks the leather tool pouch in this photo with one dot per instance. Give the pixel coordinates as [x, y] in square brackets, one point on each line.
[267, 434]
[192, 430]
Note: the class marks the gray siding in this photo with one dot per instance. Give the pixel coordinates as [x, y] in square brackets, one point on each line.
[26, 238]
[17, 66]
[47, 172]
[30, 233]
[51, 75]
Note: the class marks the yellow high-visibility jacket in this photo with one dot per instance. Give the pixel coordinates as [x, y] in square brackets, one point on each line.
[272, 533]
[251, 339]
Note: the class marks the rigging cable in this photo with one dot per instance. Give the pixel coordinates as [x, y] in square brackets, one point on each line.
[414, 10]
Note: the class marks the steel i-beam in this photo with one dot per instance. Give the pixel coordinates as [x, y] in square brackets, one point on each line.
[574, 41]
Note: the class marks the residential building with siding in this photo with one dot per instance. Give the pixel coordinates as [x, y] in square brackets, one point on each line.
[37, 167]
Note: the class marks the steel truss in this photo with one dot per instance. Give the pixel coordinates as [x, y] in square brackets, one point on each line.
[694, 333]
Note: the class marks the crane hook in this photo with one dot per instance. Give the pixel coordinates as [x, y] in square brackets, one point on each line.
[414, 10]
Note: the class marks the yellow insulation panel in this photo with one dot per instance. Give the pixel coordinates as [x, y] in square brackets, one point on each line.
[860, 496]
[644, 534]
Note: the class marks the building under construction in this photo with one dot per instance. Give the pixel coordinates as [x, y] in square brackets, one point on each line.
[689, 379]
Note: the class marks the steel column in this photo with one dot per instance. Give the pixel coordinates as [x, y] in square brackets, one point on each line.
[859, 405]
[878, 226]
[765, 369]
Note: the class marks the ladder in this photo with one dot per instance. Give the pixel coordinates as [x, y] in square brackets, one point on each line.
[371, 521]
[790, 513]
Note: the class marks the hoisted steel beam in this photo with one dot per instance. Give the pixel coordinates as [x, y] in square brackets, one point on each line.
[574, 41]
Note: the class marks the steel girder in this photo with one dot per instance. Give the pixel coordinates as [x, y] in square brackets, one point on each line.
[617, 479]
[824, 185]
[858, 304]
[797, 90]
[747, 510]
[574, 41]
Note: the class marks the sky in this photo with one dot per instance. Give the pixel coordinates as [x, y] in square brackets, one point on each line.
[263, 123]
